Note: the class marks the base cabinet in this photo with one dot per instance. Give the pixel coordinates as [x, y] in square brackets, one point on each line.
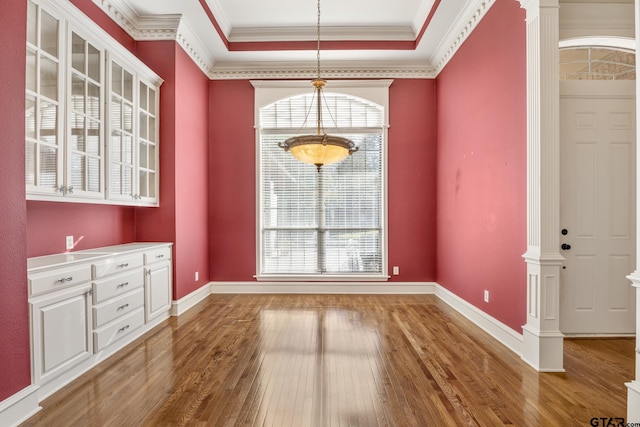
[87, 305]
[61, 329]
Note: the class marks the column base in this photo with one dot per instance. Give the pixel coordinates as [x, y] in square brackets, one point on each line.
[633, 402]
[543, 350]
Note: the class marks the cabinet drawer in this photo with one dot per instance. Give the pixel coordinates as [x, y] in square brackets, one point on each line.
[118, 329]
[116, 265]
[116, 307]
[117, 285]
[58, 278]
[157, 255]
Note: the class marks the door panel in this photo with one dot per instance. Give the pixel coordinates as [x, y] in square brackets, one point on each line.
[597, 206]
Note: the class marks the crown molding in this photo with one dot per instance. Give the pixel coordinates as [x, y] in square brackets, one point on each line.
[175, 27]
[159, 27]
[334, 70]
[466, 22]
[262, 34]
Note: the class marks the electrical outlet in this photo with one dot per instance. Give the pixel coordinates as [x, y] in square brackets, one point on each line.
[396, 270]
[68, 243]
[486, 296]
[197, 275]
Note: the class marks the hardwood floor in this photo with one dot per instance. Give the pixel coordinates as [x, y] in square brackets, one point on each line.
[337, 360]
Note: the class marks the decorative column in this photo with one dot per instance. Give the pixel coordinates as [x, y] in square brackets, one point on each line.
[633, 387]
[543, 341]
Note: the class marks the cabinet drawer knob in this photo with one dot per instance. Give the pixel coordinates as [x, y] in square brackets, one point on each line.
[123, 265]
[122, 307]
[122, 285]
[64, 279]
[124, 328]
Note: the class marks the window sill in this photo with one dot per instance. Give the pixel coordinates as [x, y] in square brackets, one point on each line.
[322, 278]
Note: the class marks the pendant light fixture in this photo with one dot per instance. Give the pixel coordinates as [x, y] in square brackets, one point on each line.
[319, 149]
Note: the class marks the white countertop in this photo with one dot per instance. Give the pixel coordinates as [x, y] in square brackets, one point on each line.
[70, 258]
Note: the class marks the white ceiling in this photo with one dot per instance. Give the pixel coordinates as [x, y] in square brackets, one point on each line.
[278, 35]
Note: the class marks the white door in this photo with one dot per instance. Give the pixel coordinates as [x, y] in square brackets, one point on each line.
[597, 206]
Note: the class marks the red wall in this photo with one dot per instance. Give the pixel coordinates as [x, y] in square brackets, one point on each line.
[412, 180]
[91, 226]
[15, 373]
[192, 179]
[182, 215]
[481, 225]
[232, 181]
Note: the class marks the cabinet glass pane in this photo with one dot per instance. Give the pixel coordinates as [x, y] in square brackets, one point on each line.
[48, 77]
[77, 133]
[77, 93]
[143, 155]
[30, 163]
[127, 86]
[78, 171]
[127, 117]
[116, 114]
[48, 166]
[143, 96]
[116, 183]
[93, 101]
[152, 129]
[127, 149]
[152, 157]
[143, 126]
[152, 102]
[93, 172]
[49, 34]
[48, 122]
[115, 146]
[116, 79]
[93, 63]
[127, 180]
[30, 117]
[151, 185]
[93, 137]
[143, 184]
[32, 71]
[32, 19]
[77, 53]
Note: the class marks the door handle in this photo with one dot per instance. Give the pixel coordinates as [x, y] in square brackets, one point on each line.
[565, 246]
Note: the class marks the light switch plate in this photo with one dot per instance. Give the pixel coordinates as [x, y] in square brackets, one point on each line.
[69, 243]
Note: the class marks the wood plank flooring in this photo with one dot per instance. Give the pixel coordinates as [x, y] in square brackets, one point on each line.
[337, 360]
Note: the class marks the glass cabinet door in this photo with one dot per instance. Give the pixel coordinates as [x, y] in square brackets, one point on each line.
[148, 144]
[121, 137]
[43, 109]
[84, 172]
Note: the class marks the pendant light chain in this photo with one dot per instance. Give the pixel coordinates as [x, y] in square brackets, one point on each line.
[318, 34]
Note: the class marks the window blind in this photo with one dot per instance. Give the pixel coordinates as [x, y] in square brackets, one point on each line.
[328, 222]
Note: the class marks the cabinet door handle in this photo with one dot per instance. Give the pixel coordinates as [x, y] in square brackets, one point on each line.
[160, 256]
[122, 307]
[124, 328]
[123, 265]
[64, 279]
[122, 285]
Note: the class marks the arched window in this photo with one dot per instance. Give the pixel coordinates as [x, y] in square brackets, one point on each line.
[597, 63]
[328, 224]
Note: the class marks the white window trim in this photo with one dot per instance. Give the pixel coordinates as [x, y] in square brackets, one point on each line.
[270, 91]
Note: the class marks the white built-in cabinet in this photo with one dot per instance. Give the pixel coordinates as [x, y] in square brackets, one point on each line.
[87, 305]
[91, 113]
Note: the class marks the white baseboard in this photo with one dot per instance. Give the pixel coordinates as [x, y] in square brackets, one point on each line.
[188, 301]
[498, 330]
[322, 287]
[19, 407]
